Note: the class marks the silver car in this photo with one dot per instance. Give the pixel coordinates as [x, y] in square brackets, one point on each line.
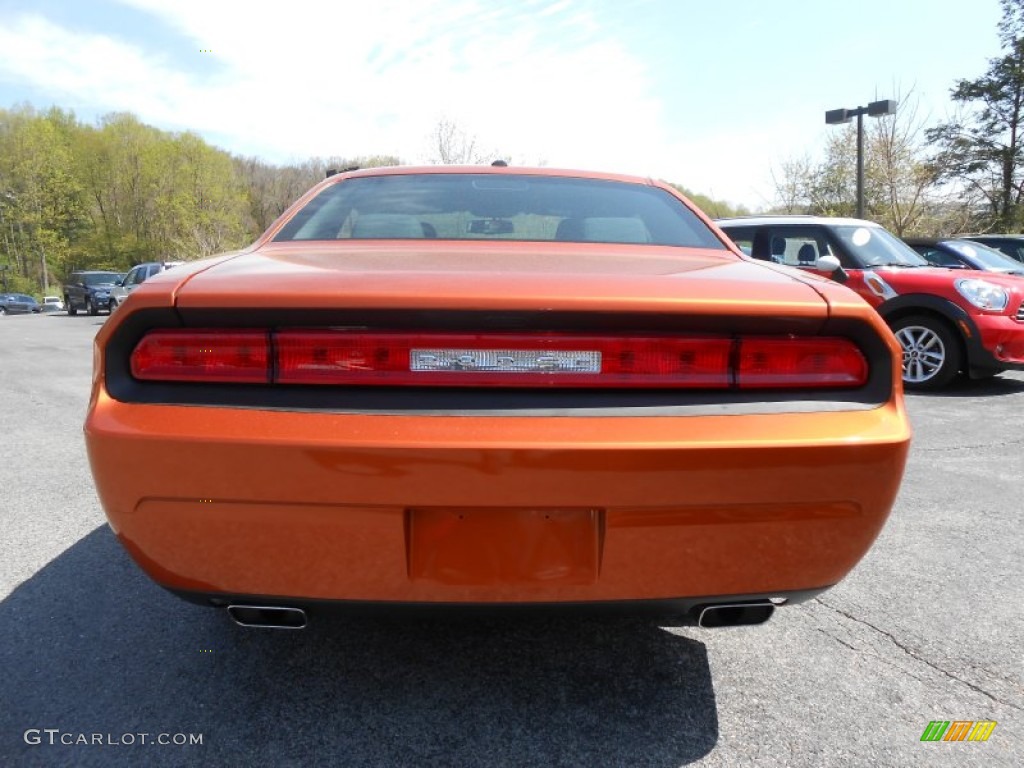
[135, 278]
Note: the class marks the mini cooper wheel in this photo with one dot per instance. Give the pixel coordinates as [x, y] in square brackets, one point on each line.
[931, 353]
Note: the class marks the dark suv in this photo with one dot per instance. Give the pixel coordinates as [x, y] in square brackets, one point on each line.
[89, 290]
[946, 320]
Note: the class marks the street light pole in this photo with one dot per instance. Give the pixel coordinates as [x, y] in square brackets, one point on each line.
[839, 116]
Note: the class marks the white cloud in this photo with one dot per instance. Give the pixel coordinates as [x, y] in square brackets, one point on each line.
[538, 80]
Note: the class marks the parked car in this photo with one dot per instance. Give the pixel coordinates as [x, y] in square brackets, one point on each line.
[946, 321]
[52, 304]
[135, 277]
[568, 388]
[89, 290]
[17, 304]
[954, 253]
[1011, 245]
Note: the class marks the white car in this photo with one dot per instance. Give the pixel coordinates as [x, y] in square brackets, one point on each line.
[53, 304]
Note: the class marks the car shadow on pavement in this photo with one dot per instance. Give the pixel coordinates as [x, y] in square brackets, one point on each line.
[962, 386]
[90, 646]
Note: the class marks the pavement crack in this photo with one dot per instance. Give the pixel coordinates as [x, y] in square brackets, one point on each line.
[862, 652]
[913, 654]
[954, 448]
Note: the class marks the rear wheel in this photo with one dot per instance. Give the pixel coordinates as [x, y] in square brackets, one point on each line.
[90, 307]
[931, 352]
[72, 309]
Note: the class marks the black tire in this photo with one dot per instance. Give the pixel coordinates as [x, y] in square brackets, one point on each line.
[91, 308]
[932, 355]
[71, 308]
[3, 310]
[112, 306]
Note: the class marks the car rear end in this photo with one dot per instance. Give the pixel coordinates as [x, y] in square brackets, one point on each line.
[458, 424]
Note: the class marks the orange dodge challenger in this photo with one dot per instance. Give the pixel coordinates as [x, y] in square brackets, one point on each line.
[495, 386]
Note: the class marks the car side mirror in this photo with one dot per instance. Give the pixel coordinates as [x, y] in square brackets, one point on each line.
[829, 263]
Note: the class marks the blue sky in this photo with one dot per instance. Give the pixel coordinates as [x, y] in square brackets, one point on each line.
[714, 96]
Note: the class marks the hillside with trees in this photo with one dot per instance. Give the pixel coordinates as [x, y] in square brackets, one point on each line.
[114, 194]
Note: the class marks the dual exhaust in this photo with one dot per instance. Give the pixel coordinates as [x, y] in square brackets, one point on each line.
[267, 616]
[717, 615]
[735, 614]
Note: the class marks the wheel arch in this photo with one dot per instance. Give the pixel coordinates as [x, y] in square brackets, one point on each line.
[943, 310]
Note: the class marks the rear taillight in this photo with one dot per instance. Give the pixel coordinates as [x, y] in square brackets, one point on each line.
[506, 360]
[804, 362]
[227, 355]
[440, 359]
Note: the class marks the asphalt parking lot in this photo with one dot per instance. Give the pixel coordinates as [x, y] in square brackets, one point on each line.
[928, 627]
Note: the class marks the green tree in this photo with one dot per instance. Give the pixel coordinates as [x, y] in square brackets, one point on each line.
[712, 207]
[901, 186]
[983, 148]
[41, 204]
[271, 189]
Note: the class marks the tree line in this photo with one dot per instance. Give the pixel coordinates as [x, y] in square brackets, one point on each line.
[118, 193]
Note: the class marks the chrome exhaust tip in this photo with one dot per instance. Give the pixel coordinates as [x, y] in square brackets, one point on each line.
[267, 616]
[735, 614]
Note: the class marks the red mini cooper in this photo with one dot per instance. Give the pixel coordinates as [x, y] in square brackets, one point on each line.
[946, 320]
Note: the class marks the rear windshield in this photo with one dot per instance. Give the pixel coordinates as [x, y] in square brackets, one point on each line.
[497, 207]
[100, 278]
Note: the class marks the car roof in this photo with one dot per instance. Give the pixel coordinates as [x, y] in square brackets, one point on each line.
[510, 170]
[760, 221]
[992, 235]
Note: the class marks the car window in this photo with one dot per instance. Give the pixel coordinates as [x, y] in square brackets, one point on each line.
[100, 278]
[875, 247]
[743, 237]
[1012, 248]
[793, 245]
[498, 207]
[938, 257]
[988, 257]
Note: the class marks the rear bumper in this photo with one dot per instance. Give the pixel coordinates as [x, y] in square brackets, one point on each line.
[476, 509]
[678, 611]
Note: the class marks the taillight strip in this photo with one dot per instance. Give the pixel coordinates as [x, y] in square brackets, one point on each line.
[444, 359]
[505, 360]
[229, 356]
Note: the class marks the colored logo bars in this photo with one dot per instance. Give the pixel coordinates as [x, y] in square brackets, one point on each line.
[958, 730]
